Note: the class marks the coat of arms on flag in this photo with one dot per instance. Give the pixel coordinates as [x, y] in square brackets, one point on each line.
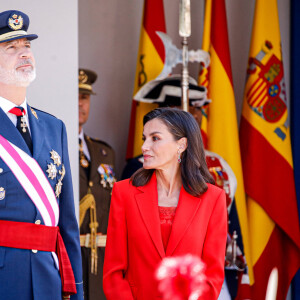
[267, 94]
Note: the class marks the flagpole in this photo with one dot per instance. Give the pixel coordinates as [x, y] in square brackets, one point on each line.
[185, 32]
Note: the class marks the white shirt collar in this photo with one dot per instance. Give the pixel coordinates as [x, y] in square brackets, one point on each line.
[7, 105]
[81, 135]
[84, 145]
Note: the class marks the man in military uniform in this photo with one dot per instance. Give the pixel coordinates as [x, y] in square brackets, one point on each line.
[39, 235]
[167, 92]
[97, 177]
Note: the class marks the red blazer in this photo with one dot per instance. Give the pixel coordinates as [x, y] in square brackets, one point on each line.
[134, 243]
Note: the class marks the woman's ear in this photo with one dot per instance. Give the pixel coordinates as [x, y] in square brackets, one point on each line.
[182, 143]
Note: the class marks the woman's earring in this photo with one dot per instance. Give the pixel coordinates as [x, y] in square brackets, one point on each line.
[179, 158]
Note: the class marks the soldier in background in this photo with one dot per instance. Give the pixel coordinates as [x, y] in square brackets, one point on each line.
[167, 93]
[96, 159]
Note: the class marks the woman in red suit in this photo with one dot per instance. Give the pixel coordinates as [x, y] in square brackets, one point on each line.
[168, 208]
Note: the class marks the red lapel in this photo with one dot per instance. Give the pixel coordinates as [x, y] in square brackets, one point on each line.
[187, 208]
[147, 202]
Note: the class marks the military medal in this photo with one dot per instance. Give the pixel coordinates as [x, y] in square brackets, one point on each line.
[2, 193]
[107, 175]
[62, 172]
[52, 171]
[58, 188]
[55, 157]
[103, 181]
[23, 124]
[59, 184]
[83, 160]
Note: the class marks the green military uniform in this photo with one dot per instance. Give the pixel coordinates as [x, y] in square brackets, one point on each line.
[96, 160]
[101, 155]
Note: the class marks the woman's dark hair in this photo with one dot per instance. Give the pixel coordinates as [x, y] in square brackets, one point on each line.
[194, 171]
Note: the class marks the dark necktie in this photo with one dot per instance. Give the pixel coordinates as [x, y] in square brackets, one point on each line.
[21, 125]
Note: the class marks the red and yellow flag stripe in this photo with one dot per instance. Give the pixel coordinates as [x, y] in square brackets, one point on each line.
[220, 125]
[150, 62]
[274, 235]
[204, 72]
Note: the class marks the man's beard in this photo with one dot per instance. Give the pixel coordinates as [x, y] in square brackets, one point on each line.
[20, 78]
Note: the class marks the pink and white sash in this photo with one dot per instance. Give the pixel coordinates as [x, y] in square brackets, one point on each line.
[33, 180]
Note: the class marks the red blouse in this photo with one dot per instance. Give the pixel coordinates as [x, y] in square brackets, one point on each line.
[166, 215]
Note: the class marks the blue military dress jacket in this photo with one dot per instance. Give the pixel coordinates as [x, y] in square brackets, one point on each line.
[25, 274]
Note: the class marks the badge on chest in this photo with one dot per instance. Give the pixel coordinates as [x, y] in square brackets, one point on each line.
[2, 193]
[107, 175]
[55, 171]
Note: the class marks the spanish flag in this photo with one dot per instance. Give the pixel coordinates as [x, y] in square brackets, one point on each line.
[150, 62]
[274, 235]
[220, 120]
[204, 72]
